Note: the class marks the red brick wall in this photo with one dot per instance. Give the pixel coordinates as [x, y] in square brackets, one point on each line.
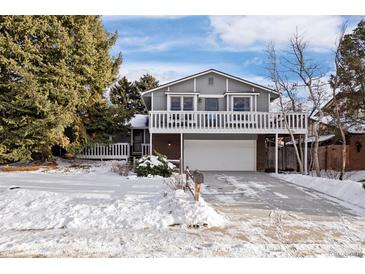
[357, 158]
[160, 143]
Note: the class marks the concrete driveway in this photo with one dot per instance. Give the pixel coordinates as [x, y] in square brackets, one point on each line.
[255, 190]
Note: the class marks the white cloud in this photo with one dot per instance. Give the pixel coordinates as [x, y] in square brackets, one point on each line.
[254, 32]
[111, 18]
[164, 72]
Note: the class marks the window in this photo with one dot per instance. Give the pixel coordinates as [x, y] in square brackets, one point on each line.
[175, 103]
[188, 103]
[241, 104]
[211, 104]
[211, 81]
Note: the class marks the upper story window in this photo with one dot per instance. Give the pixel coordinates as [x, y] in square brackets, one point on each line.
[188, 103]
[178, 103]
[211, 104]
[241, 103]
[211, 81]
[175, 103]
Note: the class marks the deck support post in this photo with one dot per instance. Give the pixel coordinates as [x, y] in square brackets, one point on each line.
[305, 154]
[150, 144]
[181, 153]
[276, 154]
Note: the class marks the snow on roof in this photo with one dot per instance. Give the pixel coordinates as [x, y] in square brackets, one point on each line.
[311, 139]
[356, 129]
[139, 121]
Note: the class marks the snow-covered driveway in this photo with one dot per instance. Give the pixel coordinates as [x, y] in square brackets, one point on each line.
[261, 191]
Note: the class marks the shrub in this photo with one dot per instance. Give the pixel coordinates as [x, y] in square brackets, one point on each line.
[154, 165]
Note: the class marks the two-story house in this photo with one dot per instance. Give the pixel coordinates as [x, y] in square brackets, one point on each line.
[215, 121]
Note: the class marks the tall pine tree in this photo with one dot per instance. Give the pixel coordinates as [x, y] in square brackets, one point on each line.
[126, 95]
[146, 82]
[53, 72]
[351, 74]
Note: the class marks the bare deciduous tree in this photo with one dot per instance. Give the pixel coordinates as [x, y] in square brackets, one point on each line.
[310, 75]
[334, 83]
[285, 88]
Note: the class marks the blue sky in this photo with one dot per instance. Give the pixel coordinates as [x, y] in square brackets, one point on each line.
[170, 47]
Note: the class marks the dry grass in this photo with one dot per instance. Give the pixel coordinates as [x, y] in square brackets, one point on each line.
[31, 167]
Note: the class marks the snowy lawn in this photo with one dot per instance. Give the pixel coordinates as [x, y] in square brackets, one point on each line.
[96, 198]
[351, 192]
[92, 212]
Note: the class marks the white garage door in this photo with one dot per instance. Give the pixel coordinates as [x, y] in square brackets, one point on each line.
[220, 154]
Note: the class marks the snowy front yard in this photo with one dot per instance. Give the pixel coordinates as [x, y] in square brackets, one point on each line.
[92, 212]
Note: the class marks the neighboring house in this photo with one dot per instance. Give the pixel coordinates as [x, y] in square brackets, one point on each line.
[330, 151]
[211, 121]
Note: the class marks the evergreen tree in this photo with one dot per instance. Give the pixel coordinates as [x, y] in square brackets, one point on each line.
[53, 72]
[146, 82]
[126, 96]
[351, 73]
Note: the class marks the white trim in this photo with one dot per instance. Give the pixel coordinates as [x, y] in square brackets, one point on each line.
[276, 154]
[211, 96]
[194, 84]
[227, 103]
[226, 84]
[168, 107]
[150, 143]
[180, 93]
[241, 96]
[206, 72]
[255, 102]
[240, 93]
[305, 154]
[181, 153]
[168, 88]
[268, 109]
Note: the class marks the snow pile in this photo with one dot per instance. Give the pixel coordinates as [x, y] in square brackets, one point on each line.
[347, 190]
[27, 209]
[154, 161]
[96, 199]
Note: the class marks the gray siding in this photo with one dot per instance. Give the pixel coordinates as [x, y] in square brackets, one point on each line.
[234, 85]
[159, 100]
[185, 86]
[218, 87]
[263, 102]
[204, 88]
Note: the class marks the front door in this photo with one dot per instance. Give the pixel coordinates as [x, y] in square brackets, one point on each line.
[137, 141]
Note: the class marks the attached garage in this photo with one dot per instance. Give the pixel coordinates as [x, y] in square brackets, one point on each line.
[228, 155]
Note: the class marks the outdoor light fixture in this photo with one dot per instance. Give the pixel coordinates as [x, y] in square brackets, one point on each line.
[169, 143]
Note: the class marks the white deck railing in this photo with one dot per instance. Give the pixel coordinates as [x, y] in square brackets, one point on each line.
[117, 151]
[145, 149]
[226, 122]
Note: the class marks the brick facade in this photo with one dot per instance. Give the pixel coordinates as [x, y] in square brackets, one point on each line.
[167, 144]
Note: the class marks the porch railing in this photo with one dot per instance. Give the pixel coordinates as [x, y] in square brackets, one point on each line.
[117, 151]
[145, 149]
[226, 121]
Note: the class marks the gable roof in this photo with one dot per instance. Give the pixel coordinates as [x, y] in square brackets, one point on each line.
[211, 71]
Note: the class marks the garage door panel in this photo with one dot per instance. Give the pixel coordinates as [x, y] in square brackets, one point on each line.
[227, 155]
